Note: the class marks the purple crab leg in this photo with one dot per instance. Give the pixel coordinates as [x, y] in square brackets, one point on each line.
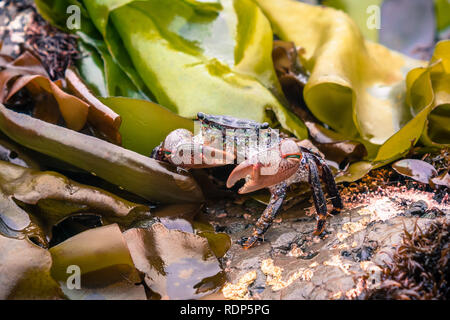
[332, 189]
[318, 197]
[278, 194]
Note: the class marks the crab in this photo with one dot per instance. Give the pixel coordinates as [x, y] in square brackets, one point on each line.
[263, 158]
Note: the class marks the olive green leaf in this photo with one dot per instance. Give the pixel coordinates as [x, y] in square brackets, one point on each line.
[146, 177]
[112, 80]
[428, 98]
[145, 124]
[361, 89]
[176, 264]
[219, 242]
[91, 69]
[442, 9]
[437, 131]
[355, 171]
[355, 85]
[104, 263]
[212, 5]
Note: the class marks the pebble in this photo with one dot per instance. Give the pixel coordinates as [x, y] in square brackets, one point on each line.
[417, 208]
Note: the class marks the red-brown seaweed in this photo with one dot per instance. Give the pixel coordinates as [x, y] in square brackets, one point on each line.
[419, 269]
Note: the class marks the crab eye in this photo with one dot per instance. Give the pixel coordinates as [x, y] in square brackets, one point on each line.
[166, 152]
[292, 155]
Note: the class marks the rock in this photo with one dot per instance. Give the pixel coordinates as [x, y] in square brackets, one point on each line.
[364, 253]
[417, 208]
[284, 240]
[334, 262]
[236, 227]
[429, 215]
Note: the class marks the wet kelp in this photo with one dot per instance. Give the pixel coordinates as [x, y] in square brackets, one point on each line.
[27, 88]
[148, 178]
[112, 265]
[33, 203]
[26, 275]
[423, 172]
[104, 260]
[188, 56]
[176, 264]
[51, 197]
[219, 58]
[366, 83]
[293, 78]
[192, 55]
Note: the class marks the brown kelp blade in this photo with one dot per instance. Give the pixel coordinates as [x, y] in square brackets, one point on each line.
[416, 169]
[131, 171]
[101, 116]
[73, 110]
[50, 100]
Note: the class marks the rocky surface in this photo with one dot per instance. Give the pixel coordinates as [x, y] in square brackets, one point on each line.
[293, 264]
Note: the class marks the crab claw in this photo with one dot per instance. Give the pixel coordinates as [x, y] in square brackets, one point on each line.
[284, 160]
[180, 149]
[201, 156]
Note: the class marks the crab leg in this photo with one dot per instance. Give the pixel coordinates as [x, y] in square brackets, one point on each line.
[318, 197]
[278, 194]
[333, 192]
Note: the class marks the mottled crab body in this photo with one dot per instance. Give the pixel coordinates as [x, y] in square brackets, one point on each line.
[263, 159]
[227, 122]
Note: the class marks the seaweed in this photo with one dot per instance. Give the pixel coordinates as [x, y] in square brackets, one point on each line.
[419, 269]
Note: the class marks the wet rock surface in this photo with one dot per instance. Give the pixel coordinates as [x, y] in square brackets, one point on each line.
[291, 263]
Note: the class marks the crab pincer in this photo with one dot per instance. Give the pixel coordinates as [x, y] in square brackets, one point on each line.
[285, 162]
[180, 149]
[268, 169]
